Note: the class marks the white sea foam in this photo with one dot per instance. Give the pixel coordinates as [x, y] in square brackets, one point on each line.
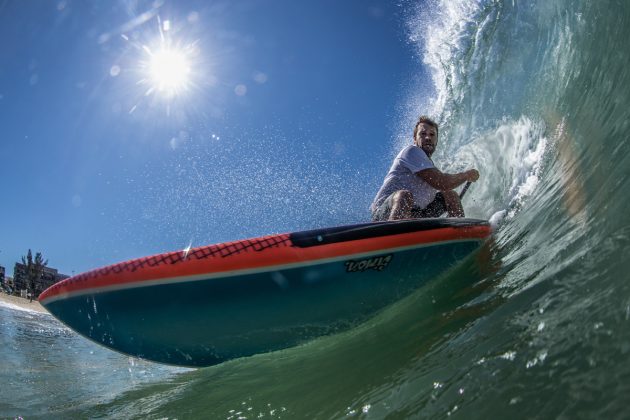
[497, 218]
[442, 29]
[528, 175]
[19, 308]
[510, 159]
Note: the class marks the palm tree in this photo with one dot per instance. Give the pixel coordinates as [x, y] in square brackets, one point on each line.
[34, 270]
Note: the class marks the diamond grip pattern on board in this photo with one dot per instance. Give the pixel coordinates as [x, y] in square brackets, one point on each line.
[223, 250]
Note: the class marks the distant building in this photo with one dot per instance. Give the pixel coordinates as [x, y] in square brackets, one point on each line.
[49, 277]
[1, 274]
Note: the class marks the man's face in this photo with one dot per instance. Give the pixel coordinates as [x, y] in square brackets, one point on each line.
[426, 138]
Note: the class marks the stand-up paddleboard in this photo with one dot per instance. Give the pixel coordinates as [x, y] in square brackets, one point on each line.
[206, 305]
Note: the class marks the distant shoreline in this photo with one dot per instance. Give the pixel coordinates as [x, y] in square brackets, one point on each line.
[21, 303]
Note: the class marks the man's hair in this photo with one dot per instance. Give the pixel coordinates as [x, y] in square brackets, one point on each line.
[426, 120]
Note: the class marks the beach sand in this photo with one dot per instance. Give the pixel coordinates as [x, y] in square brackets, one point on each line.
[21, 303]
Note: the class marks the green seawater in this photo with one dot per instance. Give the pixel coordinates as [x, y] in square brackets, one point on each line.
[535, 94]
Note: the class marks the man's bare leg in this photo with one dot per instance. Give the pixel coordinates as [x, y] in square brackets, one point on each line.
[401, 205]
[454, 206]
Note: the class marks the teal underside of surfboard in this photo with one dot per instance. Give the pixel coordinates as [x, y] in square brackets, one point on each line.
[207, 321]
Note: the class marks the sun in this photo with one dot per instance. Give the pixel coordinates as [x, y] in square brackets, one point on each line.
[168, 67]
[169, 71]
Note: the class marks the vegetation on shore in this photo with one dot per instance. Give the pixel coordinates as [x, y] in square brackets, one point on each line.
[34, 269]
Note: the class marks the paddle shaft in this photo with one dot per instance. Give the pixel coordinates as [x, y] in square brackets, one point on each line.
[461, 194]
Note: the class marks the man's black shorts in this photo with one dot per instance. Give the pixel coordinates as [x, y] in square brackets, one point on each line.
[435, 208]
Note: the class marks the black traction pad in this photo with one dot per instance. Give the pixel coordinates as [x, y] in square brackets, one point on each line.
[331, 235]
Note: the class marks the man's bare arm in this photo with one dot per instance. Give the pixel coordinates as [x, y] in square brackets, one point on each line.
[442, 181]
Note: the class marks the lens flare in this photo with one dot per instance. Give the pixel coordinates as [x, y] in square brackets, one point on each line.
[169, 71]
[167, 67]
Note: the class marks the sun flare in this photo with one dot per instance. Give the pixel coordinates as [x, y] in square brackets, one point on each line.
[169, 71]
[168, 67]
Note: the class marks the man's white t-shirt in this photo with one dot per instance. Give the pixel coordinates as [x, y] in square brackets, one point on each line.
[403, 176]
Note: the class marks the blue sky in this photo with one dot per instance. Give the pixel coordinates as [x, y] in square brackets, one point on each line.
[285, 121]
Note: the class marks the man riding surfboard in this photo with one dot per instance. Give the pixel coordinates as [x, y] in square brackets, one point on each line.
[414, 187]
